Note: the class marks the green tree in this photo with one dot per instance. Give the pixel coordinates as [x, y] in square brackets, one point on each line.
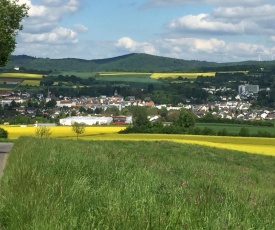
[186, 119]
[140, 117]
[82, 110]
[51, 103]
[114, 111]
[163, 112]
[73, 112]
[78, 128]
[11, 15]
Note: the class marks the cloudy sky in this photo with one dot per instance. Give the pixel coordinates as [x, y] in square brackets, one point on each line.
[207, 30]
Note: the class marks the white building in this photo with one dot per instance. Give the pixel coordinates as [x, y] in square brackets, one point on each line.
[246, 89]
[89, 120]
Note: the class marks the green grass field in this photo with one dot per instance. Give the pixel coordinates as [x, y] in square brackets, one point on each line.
[54, 184]
[235, 128]
[82, 74]
[7, 87]
[122, 78]
[132, 79]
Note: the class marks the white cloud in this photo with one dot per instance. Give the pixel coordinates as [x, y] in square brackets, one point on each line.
[230, 20]
[192, 48]
[58, 35]
[49, 12]
[161, 3]
[80, 28]
[205, 23]
[129, 44]
[41, 28]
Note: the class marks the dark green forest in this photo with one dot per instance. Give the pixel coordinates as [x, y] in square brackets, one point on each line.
[132, 62]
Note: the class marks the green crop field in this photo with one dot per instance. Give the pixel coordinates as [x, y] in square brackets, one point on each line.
[81, 74]
[235, 128]
[7, 87]
[67, 184]
[130, 78]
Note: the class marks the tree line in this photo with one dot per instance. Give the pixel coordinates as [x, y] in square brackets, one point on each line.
[184, 124]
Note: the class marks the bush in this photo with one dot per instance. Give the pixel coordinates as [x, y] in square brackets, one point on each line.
[42, 131]
[208, 131]
[3, 133]
[244, 132]
[195, 131]
[223, 132]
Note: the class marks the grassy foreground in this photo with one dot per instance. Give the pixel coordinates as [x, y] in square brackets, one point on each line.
[54, 184]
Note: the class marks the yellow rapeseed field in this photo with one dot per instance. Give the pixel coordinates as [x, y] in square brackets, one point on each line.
[187, 75]
[21, 75]
[120, 73]
[31, 82]
[256, 145]
[259, 145]
[59, 131]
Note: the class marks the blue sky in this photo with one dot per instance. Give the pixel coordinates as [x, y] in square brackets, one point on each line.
[207, 30]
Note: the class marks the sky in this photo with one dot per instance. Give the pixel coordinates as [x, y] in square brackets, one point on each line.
[205, 30]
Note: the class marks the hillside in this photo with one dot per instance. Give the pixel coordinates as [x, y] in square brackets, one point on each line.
[134, 185]
[130, 63]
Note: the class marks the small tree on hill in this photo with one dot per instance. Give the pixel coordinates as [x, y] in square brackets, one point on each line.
[42, 132]
[78, 128]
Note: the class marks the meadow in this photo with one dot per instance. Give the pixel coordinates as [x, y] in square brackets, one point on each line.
[256, 145]
[54, 184]
[82, 74]
[127, 77]
[134, 76]
[235, 128]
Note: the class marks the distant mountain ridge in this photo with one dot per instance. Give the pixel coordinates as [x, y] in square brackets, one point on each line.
[135, 62]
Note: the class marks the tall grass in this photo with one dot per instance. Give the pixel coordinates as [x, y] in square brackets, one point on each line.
[65, 184]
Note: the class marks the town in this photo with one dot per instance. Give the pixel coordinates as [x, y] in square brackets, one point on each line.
[105, 110]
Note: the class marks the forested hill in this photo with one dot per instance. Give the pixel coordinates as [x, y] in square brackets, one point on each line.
[131, 62]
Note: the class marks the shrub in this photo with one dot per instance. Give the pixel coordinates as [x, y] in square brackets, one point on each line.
[42, 131]
[244, 132]
[196, 131]
[223, 132]
[3, 133]
[208, 131]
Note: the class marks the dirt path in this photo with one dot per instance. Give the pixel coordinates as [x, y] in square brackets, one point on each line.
[4, 153]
